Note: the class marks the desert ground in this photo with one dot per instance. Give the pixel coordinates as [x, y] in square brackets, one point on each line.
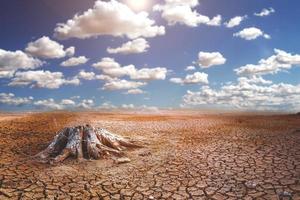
[185, 155]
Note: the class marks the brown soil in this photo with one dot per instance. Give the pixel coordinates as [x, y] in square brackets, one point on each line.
[186, 156]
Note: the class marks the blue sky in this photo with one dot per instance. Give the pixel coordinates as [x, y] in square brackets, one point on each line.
[227, 75]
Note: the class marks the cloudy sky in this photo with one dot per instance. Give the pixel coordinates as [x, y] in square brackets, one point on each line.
[148, 54]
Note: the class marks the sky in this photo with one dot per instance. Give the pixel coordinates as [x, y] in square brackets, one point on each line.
[150, 54]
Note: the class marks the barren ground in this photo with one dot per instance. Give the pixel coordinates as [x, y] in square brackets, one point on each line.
[192, 156]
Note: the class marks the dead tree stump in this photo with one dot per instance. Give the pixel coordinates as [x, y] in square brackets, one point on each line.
[84, 142]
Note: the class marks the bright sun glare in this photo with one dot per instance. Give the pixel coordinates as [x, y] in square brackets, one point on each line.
[138, 5]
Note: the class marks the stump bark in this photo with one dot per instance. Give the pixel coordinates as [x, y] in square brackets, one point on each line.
[84, 142]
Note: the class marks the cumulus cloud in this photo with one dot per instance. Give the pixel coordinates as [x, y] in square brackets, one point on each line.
[265, 12]
[48, 104]
[135, 91]
[113, 69]
[51, 104]
[139, 45]
[107, 106]
[254, 79]
[86, 104]
[42, 79]
[127, 106]
[196, 78]
[190, 68]
[106, 78]
[247, 94]
[74, 61]
[86, 75]
[109, 18]
[110, 67]
[183, 12]
[44, 47]
[11, 99]
[142, 108]
[147, 74]
[68, 102]
[122, 85]
[251, 34]
[280, 61]
[209, 59]
[215, 21]
[11, 61]
[6, 74]
[235, 21]
[145, 108]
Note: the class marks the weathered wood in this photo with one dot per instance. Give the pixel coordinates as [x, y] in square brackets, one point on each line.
[84, 142]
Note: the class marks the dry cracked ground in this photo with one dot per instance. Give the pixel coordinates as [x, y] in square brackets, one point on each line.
[185, 156]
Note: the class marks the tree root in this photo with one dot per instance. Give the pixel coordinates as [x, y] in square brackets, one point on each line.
[84, 142]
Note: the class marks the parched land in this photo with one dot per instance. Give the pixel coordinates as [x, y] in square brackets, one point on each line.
[185, 156]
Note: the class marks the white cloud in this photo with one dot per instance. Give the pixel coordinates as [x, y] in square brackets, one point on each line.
[254, 79]
[139, 45]
[45, 104]
[251, 34]
[247, 94]
[51, 104]
[135, 91]
[42, 79]
[191, 3]
[75, 97]
[48, 104]
[279, 62]
[106, 63]
[113, 69]
[67, 102]
[122, 85]
[107, 106]
[74, 61]
[208, 59]
[11, 99]
[196, 78]
[6, 74]
[110, 67]
[215, 21]
[127, 106]
[235, 21]
[86, 75]
[148, 74]
[265, 12]
[44, 47]
[86, 104]
[183, 12]
[109, 18]
[190, 68]
[142, 108]
[267, 36]
[11, 61]
[106, 78]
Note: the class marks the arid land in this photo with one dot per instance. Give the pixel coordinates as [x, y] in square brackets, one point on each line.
[185, 156]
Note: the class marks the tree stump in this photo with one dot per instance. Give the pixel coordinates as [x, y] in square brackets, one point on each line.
[84, 142]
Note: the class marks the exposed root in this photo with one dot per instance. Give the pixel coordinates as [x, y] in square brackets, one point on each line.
[84, 142]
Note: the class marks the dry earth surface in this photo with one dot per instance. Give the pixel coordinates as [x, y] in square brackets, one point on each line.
[186, 156]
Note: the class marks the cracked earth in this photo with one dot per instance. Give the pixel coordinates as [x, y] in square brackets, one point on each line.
[185, 156]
